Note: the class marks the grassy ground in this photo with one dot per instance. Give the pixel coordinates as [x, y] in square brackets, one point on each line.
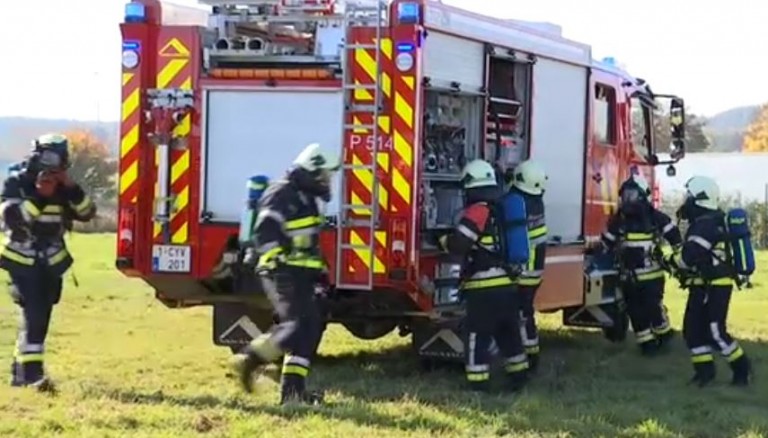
[127, 366]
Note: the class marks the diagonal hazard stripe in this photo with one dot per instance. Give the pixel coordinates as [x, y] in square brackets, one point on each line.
[170, 71]
[130, 104]
[365, 254]
[129, 176]
[404, 110]
[401, 185]
[366, 178]
[129, 141]
[403, 148]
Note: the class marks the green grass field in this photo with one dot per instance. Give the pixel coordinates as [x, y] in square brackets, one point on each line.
[127, 366]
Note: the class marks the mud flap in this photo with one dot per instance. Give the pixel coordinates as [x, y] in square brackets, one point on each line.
[610, 316]
[439, 341]
[235, 324]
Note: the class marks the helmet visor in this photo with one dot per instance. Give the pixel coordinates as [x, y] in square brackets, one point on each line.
[51, 160]
[631, 196]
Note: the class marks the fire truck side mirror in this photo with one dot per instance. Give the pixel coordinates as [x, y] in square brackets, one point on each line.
[677, 127]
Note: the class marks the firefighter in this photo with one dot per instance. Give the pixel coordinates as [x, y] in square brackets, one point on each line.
[707, 277]
[635, 233]
[291, 268]
[39, 201]
[529, 180]
[487, 288]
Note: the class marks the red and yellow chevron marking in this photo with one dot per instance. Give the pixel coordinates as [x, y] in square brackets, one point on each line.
[403, 139]
[361, 263]
[361, 182]
[175, 71]
[129, 139]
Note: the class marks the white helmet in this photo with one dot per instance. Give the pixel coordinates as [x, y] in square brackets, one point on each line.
[529, 177]
[478, 173]
[314, 158]
[704, 192]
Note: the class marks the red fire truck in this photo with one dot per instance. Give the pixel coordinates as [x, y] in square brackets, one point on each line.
[409, 91]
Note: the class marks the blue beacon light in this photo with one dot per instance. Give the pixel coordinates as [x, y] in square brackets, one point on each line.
[408, 13]
[135, 13]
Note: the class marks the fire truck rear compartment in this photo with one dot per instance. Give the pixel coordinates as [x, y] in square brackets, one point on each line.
[252, 131]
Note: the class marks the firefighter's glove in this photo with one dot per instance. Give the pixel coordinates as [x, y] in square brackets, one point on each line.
[443, 242]
[596, 248]
[46, 184]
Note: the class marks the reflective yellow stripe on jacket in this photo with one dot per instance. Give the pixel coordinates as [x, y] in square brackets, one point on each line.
[301, 231]
[532, 276]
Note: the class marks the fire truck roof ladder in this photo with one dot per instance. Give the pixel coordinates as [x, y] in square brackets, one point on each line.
[360, 16]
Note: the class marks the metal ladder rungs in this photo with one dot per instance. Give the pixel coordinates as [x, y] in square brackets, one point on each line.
[355, 246]
[355, 126]
[361, 46]
[360, 87]
[357, 207]
[357, 108]
[358, 167]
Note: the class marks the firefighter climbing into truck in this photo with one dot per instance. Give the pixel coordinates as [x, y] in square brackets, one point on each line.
[411, 91]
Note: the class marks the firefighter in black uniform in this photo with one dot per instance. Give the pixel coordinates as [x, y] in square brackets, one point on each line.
[39, 203]
[703, 263]
[286, 233]
[529, 179]
[635, 233]
[488, 290]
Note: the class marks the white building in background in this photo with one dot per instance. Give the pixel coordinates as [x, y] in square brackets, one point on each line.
[744, 175]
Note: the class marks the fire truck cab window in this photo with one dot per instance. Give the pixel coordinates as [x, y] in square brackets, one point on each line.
[641, 128]
[604, 114]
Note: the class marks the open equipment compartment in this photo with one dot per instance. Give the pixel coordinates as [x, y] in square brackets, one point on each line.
[451, 138]
[508, 110]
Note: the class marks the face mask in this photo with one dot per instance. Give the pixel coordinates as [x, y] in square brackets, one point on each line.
[685, 212]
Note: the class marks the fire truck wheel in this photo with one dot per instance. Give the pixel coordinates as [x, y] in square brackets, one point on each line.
[618, 333]
[370, 330]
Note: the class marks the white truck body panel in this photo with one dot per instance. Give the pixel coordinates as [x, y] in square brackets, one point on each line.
[250, 132]
[448, 58]
[538, 38]
[558, 142]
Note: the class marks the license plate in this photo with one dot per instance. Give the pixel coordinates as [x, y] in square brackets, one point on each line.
[171, 258]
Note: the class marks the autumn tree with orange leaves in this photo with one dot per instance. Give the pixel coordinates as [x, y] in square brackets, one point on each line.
[756, 138]
[92, 167]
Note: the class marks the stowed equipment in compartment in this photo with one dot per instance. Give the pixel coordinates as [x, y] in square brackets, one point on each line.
[451, 138]
[508, 108]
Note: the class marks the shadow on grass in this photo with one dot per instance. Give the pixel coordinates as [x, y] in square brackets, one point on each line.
[585, 386]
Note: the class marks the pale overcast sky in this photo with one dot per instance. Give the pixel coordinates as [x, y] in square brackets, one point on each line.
[59, 62]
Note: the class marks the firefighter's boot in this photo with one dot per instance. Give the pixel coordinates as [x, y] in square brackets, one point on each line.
[293, 390]
[245, 365]
[516, 381]
[484, 386]
[533, 362]
[45, 385]
[742, 371]
[665, 337]
[704, 373]
[650, 348]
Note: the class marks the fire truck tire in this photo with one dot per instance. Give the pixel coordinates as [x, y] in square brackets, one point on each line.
[370, 330]
[618, 333]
